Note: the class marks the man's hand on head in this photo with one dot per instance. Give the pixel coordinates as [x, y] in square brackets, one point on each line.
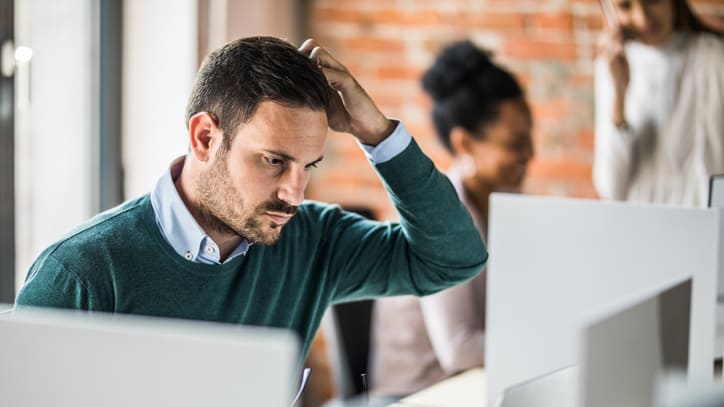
[351, 109]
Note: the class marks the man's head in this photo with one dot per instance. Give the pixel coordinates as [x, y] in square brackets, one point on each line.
[257, 123]
[235, 79]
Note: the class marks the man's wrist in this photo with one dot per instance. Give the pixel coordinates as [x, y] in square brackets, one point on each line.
[390, 146]
[378, 132]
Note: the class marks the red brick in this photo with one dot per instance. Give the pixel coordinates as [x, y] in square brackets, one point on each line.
[398, 72]
[560, 21]
[337, 15]
[586, 139]
[581, 81]
[526, 48]
[562, 169]
[593, 22]
[372, 45]
[550, 109]
[405, 17]
[492, 21]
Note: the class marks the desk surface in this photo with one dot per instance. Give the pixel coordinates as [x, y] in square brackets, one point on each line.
[467, 389]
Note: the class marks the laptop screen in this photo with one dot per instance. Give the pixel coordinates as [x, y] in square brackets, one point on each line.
[54, 357]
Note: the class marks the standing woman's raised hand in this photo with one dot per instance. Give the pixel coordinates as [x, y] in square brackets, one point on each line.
[611, 48]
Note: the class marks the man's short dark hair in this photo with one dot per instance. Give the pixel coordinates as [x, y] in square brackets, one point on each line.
[235, 78]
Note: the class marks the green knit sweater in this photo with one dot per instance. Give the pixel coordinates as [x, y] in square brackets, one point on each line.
[120, 262]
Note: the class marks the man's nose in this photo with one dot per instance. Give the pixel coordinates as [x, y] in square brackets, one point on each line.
[291, 189]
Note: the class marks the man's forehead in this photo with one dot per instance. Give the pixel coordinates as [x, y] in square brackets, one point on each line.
[269, 109]
[289, 130]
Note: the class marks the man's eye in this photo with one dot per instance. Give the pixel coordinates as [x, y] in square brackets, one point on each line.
[274, 162]
[313, 165]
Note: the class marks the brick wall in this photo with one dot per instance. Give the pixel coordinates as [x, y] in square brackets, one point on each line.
[387, 44]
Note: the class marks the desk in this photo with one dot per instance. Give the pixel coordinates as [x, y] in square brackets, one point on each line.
[467, 389]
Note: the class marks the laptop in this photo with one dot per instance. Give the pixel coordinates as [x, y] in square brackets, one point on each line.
[70, 358]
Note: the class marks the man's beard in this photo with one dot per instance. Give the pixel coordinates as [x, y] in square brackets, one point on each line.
[223, 210]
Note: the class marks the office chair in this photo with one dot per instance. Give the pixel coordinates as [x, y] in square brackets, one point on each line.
[348, 334]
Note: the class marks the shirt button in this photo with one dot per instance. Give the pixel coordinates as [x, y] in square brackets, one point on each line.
[210, 249]
[188, 255]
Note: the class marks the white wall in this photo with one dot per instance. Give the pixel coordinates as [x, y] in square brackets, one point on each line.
[53, 131]
[56, 125]
[159, 64]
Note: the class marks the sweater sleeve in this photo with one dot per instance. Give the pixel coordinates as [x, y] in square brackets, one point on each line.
[614, 147]
[434, 246]
[51, 284]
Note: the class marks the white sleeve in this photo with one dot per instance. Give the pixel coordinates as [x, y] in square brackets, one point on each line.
[713, 119]
[614, 147]
[390, 147]
[455, 327]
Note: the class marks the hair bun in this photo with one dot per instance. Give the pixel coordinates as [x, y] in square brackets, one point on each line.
[451, 68]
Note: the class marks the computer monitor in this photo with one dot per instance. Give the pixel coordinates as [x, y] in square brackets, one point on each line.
[624, 351]
[716, 191]
[555, 389]
[555, 260]
[63, 358]
[675, 390]
[716, 200]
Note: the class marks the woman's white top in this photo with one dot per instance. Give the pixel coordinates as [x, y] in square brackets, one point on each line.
[674, 109]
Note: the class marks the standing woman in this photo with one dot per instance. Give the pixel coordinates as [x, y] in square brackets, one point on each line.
[659, 104]
[482, 118]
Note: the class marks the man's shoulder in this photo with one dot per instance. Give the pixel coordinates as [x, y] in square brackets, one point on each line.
[112, 227]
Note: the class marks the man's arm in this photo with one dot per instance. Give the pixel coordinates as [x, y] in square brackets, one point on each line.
[55, 286]
[434, 246]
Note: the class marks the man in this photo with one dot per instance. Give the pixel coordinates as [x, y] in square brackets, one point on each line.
[225, 236]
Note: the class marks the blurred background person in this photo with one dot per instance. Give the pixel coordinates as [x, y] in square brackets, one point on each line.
[659, 104]
[482, 117]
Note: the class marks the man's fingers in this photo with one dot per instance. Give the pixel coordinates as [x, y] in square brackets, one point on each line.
[325, 59]
[338, 80]
[321, 56]
[307, 46]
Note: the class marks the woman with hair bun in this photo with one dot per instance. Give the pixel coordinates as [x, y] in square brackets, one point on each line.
[481, 116]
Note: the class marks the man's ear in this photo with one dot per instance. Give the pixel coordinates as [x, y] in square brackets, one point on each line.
[204, 134]
[460, 141]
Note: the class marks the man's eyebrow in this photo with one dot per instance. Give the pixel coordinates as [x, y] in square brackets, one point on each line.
[315, 162]
[290, 158]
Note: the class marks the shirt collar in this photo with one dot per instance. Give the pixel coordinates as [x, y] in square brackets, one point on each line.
[179, 227]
